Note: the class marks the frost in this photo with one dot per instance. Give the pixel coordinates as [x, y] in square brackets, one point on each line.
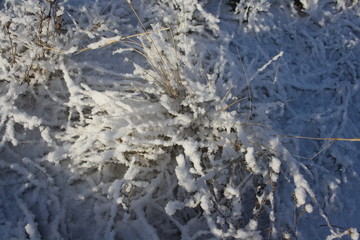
[230, 191]
[354, 234]
[250, 160]
[104, 42]
[185, 179]
[300, 195]
[275, 165]
[308, 208]
[190, 149]
[172, 207]
[172, 116]
[31, 230]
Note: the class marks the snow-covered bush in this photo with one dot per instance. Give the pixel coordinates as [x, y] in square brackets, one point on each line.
[166, 152]
[32, 100]
[171, 151]
[33, 40]
[151, 133]
[254, 14]
[30, 38]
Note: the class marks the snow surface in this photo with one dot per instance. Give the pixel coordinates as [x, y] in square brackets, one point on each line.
[179, 133]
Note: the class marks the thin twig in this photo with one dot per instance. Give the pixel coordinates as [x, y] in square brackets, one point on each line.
[123, 38]
[322, 139]
[234, 102]
[248, 85]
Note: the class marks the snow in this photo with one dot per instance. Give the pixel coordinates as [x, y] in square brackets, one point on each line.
[300, 195]
[173, 206]
[184, 130]
[275, 164]
[31, 230]
[251, 160]
[309, 208]
[104, 42]
[185, 179]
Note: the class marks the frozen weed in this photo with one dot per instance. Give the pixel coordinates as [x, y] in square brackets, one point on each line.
[35, 41]
[184, 157]
[164, 147]
[30, 30]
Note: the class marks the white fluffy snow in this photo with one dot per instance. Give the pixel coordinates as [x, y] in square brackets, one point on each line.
[181, 133]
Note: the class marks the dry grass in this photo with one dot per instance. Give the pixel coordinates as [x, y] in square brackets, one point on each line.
[323, 139]
[165, 73]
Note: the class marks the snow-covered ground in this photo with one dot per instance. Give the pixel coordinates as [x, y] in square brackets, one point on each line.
[177, 119]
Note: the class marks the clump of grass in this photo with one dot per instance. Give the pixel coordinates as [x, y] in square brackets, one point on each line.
[177, 142]
[179, 153]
